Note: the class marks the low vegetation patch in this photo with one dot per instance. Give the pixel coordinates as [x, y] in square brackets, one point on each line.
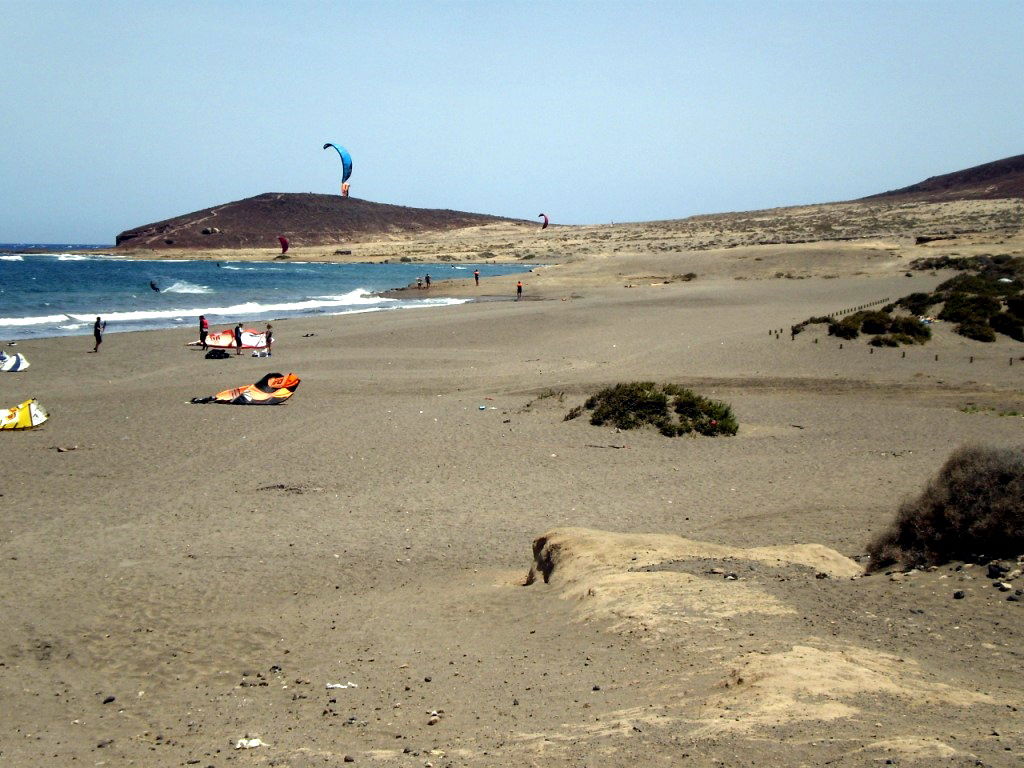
[672, 409]
[795, 329]
[886, 330]
[985, 299]
[973, 510]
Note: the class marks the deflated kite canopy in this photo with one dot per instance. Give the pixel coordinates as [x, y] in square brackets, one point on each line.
[272, 389]
[25, 415]
[13, 363]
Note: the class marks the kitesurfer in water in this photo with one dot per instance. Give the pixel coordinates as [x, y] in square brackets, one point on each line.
[204, 330]
[152, 284]
[97, 331]
[238, 339]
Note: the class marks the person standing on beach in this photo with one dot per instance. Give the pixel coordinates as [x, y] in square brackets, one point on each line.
[270, 338]
[419, 282]
[476, 276]
[238, 339]
[204, 330]
[428, 281]
[519, 290]
[97, 331]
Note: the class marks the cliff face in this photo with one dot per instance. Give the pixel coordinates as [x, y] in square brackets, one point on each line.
[305, 219]
[1002, 178]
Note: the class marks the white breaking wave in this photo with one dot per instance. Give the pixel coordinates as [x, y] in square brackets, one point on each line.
[33, 320]
[358, 297]
[182, 286]
[422, 304]
[71, 257]
[11, 257]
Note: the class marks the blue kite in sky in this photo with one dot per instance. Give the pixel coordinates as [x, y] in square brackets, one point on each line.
[346, 161]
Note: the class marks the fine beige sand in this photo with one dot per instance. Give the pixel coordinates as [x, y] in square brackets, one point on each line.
[175, 578]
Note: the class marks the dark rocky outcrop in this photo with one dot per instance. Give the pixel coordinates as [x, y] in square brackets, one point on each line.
[305, 218]
[998, 179]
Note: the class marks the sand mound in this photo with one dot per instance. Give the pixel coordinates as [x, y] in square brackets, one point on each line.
[608, 573]
[680, 593]
[808, 683]
[575, 552]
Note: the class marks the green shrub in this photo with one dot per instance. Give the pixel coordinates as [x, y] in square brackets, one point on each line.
[574, 413]
[1015, 306]
[405, 260]
[884, 341]
[874, 322]
[965, 283]
[977, 331]
[917, 303]
[844, 329]
[628, 406]
[795, 329]
[961, 308]
[910, 326]
[972, 510]
[1008, 325]
[903, 338]
[671, 409]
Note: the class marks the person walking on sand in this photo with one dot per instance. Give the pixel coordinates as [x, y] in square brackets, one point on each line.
[97, 331]
[519, 290]
[270, 339]
[204, 331]
[238, 339]
[476, 276]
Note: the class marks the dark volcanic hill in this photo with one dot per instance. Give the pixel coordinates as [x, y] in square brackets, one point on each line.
[304, 218]
[1002, 178]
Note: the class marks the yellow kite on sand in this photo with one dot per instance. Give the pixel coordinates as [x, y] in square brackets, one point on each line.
[27, 415]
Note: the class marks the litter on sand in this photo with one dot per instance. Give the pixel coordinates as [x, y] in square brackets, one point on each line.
[252, 743]
[349, 684]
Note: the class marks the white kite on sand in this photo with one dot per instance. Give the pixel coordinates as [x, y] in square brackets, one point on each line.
[12, 363]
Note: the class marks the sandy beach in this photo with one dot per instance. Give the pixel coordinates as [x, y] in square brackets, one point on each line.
[175, 577]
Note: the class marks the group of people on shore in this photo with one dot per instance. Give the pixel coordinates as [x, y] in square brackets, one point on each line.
[204, 332]
[424, 282]
[100, 326]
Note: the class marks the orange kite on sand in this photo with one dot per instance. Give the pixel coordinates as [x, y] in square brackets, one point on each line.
[272, 389]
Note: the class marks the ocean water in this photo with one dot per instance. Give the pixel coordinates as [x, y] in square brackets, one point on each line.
[56, 293]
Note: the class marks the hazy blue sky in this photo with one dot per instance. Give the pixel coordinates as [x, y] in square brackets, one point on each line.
[118, 114]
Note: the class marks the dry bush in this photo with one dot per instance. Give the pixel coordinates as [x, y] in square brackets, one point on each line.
[971, 511]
